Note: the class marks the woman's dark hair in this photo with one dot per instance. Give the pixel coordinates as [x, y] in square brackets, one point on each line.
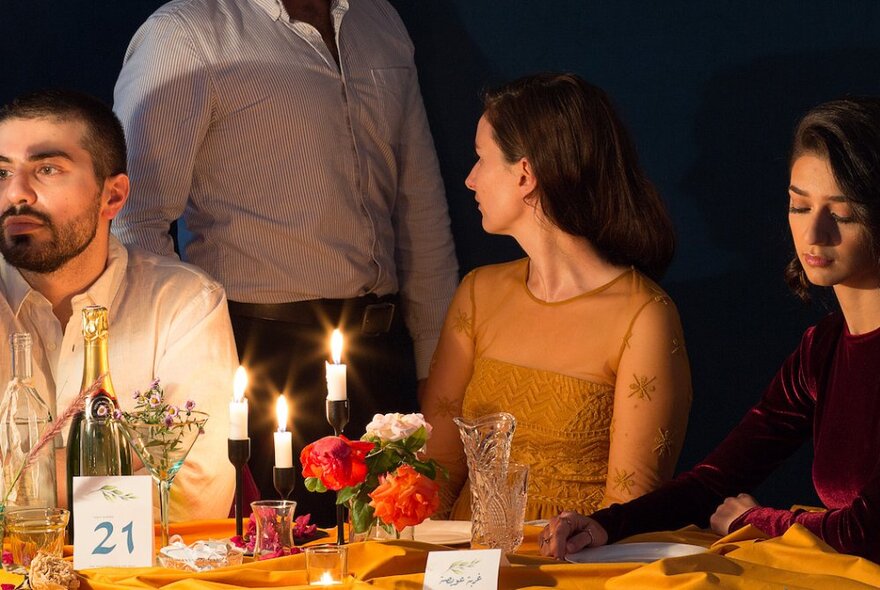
[846, 132]
[589, 180]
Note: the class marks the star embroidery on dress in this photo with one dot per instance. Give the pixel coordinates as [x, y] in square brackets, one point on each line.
[676, 346]
[663, 442]
[462, 323]
[623, 481]
[642, 387]
[448, 407]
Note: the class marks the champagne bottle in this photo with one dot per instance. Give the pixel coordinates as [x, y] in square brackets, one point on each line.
[95, 445]
[24, 419]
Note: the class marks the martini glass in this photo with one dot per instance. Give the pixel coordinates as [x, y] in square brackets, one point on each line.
[163, 449]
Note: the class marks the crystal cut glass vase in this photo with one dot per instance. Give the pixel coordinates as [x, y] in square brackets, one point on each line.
[487, 442]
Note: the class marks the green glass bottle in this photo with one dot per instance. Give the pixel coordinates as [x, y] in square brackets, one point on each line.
[95, 445]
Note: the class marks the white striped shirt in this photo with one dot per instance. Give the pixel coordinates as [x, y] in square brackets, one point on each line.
[298, 179]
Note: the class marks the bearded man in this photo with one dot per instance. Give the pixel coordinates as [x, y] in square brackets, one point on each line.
[62, 180]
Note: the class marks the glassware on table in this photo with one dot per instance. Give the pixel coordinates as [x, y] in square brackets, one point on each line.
[163, 450]
[33, 530]
[487, 442]
[326, 565]
[24, 417]
[505, 509]
[274, 523]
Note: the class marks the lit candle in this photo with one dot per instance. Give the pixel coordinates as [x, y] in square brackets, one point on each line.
[336, 371]
[283, 441]
[238, 407]
[326, 580]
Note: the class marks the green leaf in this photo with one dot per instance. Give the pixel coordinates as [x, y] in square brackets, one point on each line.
[346, 494]
[313, 484]
[426, 468]
[361, 516]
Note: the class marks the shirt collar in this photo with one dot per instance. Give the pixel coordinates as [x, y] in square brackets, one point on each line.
[276, 10]
[101, 292]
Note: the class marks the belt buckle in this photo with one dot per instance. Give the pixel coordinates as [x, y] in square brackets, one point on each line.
[377, 319]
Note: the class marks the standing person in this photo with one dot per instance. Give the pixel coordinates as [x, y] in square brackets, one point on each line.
[576, 341]
[291, 137]
[827, 389]
[62, 180]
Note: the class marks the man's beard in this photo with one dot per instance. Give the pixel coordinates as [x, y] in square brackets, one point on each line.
[25, 252]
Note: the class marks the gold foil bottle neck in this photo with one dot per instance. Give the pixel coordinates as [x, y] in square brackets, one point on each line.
[94, 323]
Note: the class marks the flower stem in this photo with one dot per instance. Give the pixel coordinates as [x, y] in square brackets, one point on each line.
[164, 492]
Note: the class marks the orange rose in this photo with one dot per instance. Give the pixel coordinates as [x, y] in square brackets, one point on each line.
[405, 497]
[336, 461]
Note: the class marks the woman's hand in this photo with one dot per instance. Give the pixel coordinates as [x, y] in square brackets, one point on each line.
[730, 510]
[570, 532]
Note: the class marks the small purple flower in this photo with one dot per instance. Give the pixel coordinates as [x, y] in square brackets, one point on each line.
[155, 400]
[190, 405]
[136, 395]
[172, 411]
[117, 415]
[154, 384]
[169, 420]
[102, 411]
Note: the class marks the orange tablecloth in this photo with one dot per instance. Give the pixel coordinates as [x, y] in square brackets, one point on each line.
[744, 559]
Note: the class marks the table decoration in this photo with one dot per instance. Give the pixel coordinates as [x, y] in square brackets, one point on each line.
[201, 556]
[162, 435]
[53, 429]
[381, 477]
[337, 409]
[303, 532]
[326, 565]
[239, 445]
[30, 531]
[486, 440]
[51, 572]
[283, 475]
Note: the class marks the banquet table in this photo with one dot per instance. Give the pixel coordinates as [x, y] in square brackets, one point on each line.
[744, 559]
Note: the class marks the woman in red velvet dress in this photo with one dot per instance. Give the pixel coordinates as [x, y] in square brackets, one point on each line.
[828, 389]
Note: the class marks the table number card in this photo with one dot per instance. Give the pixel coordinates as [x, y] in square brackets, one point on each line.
[113, 521]
[468, 569]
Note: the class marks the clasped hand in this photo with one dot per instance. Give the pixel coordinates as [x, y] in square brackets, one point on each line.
[570, 532]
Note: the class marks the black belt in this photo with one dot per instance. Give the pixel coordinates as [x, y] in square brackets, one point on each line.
[371, 313]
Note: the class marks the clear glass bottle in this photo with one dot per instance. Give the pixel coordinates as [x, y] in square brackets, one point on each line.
[95, 445]
[24, 418]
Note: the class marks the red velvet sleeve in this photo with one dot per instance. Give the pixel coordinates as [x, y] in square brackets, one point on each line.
[853, 529]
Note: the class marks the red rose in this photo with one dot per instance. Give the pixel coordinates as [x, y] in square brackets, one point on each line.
[336, 461]
[405, 497]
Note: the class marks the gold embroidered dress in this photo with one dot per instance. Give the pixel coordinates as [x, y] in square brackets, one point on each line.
[599, 384]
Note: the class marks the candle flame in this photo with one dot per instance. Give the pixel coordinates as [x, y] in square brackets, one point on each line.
[327, 579]
[239, 384]
[336, 346]
[281, 413]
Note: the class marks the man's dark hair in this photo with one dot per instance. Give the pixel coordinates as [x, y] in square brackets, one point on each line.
[589, 182]
[103, 139]
[845, 132]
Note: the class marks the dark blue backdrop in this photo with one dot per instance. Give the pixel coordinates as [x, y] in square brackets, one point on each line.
[710, 90]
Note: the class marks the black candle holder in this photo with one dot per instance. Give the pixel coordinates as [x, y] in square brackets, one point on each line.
[284, 479]
[337, 416]
[239, 453]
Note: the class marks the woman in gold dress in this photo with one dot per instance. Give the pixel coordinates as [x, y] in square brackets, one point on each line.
[576, 340]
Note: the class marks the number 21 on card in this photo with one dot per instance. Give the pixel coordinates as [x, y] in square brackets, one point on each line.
[112, 521]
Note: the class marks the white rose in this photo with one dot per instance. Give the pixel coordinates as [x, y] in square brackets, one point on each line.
[396, 426]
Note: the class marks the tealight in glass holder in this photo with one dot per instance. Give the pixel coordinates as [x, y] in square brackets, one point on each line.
[327, 565]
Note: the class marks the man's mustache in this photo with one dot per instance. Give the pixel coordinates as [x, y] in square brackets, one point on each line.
[25, 210]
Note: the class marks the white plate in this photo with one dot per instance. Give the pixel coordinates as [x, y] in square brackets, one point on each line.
[444, 532]
[629, 552]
